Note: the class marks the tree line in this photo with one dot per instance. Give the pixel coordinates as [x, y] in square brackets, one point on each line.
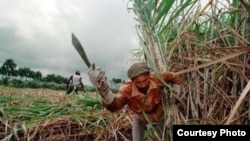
[22, 77]
[9, 69]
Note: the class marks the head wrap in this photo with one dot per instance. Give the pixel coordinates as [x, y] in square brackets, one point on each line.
[137, 69]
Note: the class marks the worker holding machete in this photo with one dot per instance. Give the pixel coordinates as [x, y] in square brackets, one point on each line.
[142, 92]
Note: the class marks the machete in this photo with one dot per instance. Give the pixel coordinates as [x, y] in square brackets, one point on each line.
[76, 43]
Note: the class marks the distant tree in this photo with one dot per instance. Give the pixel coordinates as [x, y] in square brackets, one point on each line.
[55, 78]
[25, 73]
[49, 78]
[115, 82]
[30, 73]
[38, 75]
[21, 72]
[9, 68]
[60, 79]
[1, 71]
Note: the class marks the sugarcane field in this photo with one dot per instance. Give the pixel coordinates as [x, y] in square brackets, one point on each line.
[206, 43]
[44, 114]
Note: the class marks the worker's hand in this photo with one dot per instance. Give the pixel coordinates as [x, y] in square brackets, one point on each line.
[96, 76]
[176, 79]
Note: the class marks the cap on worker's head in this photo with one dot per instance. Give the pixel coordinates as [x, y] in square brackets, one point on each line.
[137, 69]
[78, 72]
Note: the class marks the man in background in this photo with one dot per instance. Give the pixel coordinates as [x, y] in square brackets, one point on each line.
[73, 83]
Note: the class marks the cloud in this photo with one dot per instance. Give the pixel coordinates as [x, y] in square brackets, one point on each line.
[37, 34]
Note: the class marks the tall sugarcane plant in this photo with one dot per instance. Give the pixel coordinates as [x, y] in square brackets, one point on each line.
[208, 44]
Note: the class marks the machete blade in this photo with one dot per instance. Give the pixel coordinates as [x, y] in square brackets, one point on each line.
[76, 43]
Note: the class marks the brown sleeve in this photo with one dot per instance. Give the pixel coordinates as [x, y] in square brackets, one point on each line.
[120, 100]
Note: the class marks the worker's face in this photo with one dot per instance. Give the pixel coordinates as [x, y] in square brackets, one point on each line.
[142, 81]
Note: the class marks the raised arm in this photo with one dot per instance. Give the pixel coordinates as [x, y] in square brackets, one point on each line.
[111, 101]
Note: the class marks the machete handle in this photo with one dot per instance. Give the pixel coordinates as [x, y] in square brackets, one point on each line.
[93, 66]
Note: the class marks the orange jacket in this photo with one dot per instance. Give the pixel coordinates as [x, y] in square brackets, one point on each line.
[138, 102]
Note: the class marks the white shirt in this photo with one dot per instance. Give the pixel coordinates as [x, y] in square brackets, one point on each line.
[75, 79]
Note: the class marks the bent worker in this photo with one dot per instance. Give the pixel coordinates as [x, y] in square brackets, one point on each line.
[73, 83]
[142, 93]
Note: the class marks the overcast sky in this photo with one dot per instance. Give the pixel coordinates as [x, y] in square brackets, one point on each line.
[37, 34]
